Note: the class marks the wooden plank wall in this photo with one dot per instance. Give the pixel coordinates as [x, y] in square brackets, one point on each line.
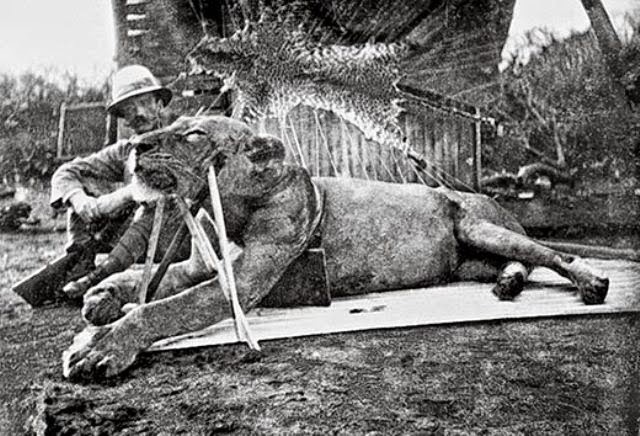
[155, 33]
[328, 146]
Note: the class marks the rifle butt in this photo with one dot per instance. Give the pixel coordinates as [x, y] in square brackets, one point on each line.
[45, 284]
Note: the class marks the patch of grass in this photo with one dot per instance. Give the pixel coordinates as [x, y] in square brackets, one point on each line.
[36, 194]
[22, 254]
[28, 249]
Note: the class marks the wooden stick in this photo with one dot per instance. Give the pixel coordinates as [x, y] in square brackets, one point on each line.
[205, 215]
[241, 324]
[208, 255]
[174, 246]
[221, 230]
[210, 258]
[218, 216]
[151, 249]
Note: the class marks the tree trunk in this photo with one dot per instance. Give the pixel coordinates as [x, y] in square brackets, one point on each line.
[607, 40]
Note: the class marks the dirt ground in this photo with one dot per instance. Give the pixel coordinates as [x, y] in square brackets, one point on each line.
[552, 376]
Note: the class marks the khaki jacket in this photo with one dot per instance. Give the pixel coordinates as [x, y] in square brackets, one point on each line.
[96, 174]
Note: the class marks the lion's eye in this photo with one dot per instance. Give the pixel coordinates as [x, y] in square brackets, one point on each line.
[194, 136]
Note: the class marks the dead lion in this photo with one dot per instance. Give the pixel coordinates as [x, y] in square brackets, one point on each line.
[377, 236]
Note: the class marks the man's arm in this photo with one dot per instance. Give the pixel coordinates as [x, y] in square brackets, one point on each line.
[69, 182]
[91, 208]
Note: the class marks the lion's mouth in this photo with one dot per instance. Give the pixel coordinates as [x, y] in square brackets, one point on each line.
[160, 179]
[155, 172]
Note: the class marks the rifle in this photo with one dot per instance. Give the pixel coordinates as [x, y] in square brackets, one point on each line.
[46, 284]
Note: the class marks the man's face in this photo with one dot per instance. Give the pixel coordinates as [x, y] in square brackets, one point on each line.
[142, 113]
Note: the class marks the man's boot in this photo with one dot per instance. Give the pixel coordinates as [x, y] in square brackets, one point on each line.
[84, 264]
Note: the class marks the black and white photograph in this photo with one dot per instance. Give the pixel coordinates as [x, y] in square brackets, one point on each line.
[320, 217]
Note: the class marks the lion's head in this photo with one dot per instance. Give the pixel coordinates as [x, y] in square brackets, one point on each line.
[172, 160]
[175, 159]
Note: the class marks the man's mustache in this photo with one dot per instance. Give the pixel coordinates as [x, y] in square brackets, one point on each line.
[140, 119]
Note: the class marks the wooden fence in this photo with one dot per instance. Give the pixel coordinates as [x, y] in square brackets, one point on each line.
[328, 146]
[82, 129]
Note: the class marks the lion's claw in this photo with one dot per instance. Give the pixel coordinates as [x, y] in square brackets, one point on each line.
[594, 292]
[508, 287]
[101, 307]
[99, 352]
[593, 286]
[74, 358]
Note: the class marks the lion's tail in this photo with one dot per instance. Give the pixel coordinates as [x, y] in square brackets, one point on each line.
[593, 250]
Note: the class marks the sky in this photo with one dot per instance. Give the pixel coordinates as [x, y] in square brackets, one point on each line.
[564, 15]
[78, 35]
[59, 35]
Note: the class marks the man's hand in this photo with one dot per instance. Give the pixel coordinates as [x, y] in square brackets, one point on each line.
[111, 204]
[91, 208]
[85, 206]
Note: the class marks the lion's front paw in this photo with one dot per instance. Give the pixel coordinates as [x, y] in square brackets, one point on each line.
[101, 306]
[99, 352]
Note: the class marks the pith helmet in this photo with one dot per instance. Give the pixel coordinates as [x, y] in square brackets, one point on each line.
[134, 80]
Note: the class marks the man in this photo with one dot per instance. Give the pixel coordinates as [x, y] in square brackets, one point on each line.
[91, 188]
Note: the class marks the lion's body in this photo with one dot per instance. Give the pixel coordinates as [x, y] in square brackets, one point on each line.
[379, 236]
[376, 236]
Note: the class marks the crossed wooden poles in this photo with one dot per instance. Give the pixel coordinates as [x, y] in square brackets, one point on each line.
[149, 282]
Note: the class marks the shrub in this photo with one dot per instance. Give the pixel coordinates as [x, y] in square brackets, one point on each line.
[29, 113]
[564, 103]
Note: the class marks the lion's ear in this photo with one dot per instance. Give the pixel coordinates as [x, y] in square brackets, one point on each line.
[262, 148]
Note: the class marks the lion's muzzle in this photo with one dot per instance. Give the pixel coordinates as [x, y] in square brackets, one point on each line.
[158, 177]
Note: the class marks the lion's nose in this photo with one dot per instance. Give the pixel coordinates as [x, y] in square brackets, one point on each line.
[141, 145]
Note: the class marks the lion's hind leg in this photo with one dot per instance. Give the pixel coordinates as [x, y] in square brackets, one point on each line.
[487, 237]
[511, 280]
[509, 276]
[478, 268]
